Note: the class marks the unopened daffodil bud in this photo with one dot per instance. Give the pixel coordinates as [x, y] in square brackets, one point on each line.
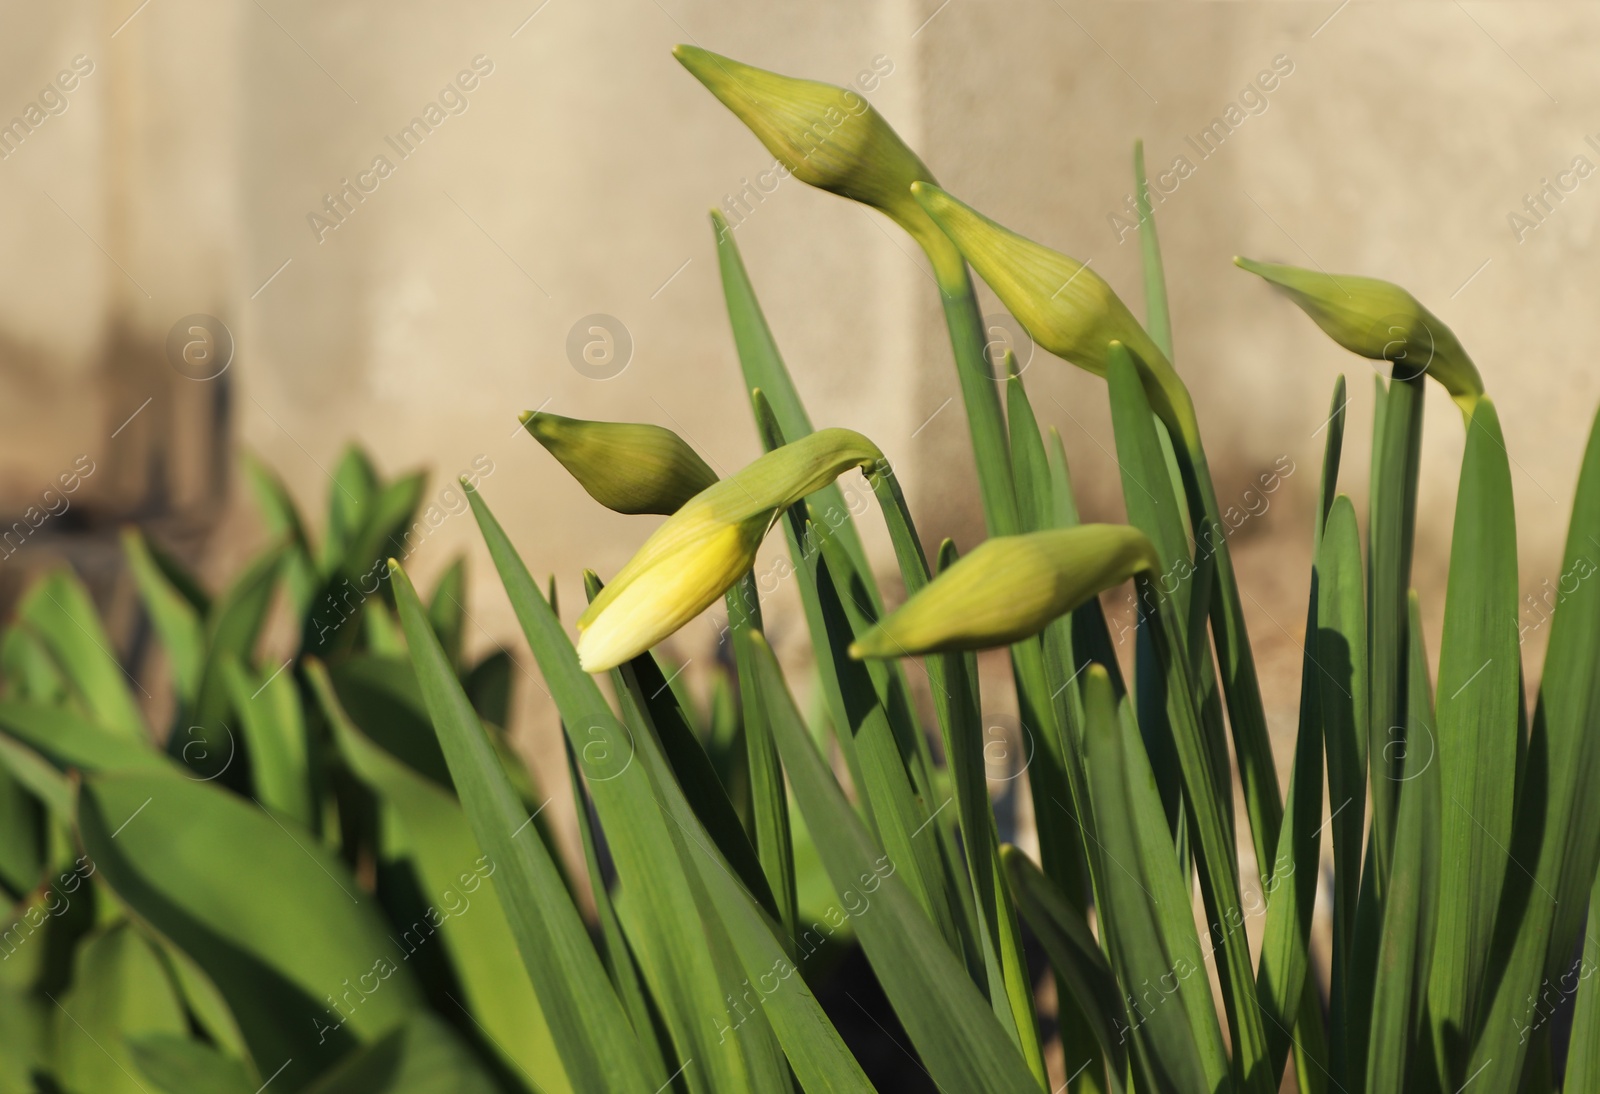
[1064, 305]
[707, 545]
[1010, 587]
[826, 136]
[1381, 321]
[628, 467]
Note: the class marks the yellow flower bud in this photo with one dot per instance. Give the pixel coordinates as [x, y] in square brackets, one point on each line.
[706, 546]
[1010, 587]
[1379, 320]
[627, 467]
[1064, 305]
[826, 136]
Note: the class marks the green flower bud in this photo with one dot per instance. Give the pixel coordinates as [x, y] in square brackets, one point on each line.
[1010, 587]
[826, 136]
[1064, 305]
[625, 466]
[707, 545]
[1379, 320]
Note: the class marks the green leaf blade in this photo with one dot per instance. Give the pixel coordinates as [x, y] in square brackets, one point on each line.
[961, 1042]
[1479, 695]
[452, 871]
[598, 1044]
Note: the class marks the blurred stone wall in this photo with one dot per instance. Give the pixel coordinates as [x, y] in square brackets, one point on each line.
[258, 162]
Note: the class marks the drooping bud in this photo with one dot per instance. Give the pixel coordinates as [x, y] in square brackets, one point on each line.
[1064, 305]
[707, 545]
[628, 467]
[826, 136]
[1381, 321]
[1008, 588]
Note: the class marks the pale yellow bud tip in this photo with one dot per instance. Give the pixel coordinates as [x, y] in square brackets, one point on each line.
[707, 545]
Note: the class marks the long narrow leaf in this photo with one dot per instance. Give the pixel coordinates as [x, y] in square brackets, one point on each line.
[272, 725]
[961, 1042]
[599, 1047]
[57, 609]
[1081, 967]
[763, 368]
[684, 952]
[1583, 1060]
[1479, 695]
[614, 946]
[176, 619]
[769, 800]
[1216, 864]
[955, 688]
[1281, 979]
[1156, 953]
[1397, 448]
[1406, 951]
[1555, 833]
[690, 766]
[1341, 684]
[1158, 322]
[452, 871]
[119, 991]
[302, 960]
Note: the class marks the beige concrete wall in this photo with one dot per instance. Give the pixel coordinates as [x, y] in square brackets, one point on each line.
[577, 178]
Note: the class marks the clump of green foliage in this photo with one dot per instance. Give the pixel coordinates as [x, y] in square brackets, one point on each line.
[335, 877]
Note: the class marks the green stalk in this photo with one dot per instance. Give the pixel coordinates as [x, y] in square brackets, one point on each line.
[769, 806]
[1214, 845]
[954, 687]
[1061, 843]
[1392, 531]
[1398, 1026]
[1258, 775]
[1061, 847]
[762, 367]
[984, 419]
[1285, 946]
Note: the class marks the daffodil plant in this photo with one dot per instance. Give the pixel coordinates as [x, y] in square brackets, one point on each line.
[370, 900]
